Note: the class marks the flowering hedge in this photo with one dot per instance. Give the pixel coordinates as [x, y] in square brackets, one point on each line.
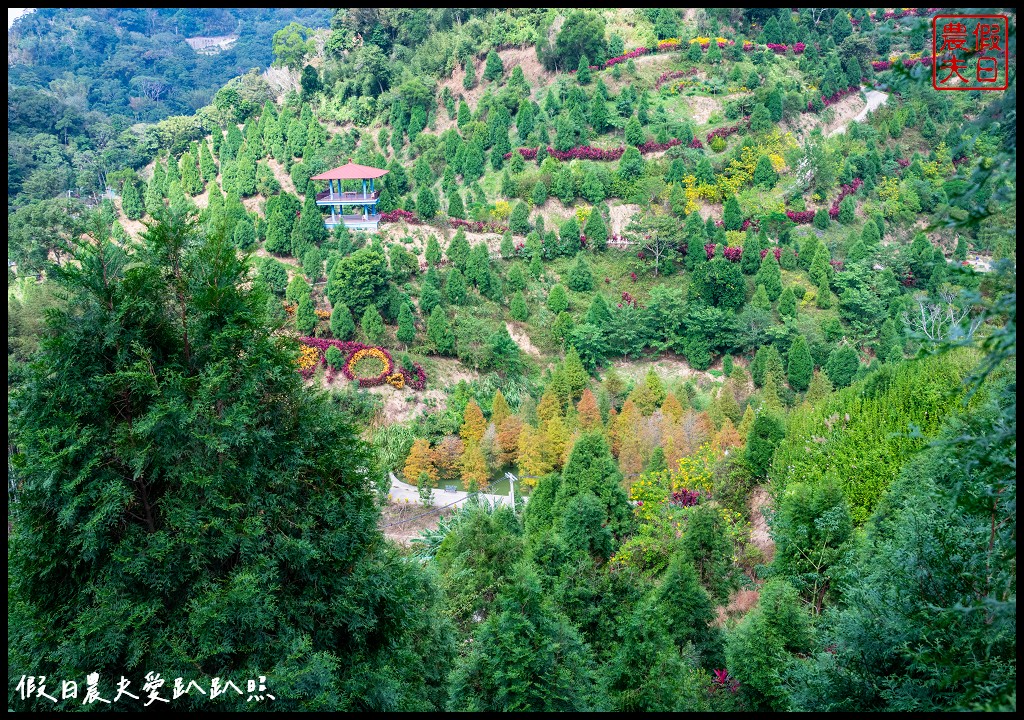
[400, 215]
[622, 58]
[315, 350]
[781, 48]
[697, 144]
[668, 45]
[709, 250]
[844, 190]
[837, 265]
[732, 254]
[724, 132]
[651, 146]
[586, 152]
[834, 97]
[800, 218]
[776, 251]
[628, 299]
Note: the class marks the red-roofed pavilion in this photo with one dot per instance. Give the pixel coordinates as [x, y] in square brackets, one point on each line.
[337, 198]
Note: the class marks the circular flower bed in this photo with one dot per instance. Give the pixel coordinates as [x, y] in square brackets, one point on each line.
[366, 364]
[370, 366]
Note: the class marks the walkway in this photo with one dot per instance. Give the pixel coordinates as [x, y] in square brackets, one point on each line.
[402, 492]
[875, 100]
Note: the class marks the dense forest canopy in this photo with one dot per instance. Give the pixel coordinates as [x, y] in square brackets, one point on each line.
[727, 297]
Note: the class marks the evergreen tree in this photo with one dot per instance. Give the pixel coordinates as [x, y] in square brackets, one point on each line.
[439, 332]
[305, 315]
[801, 366]
[764, 173]
[518, 309]
[519, 220]
[191, 182]
[846, 211]
[765, 435]
[765, 641]
[455, 287]
[787, 303]
[458, 250]
[770, 276]
[455, 206]
[557, 300]
[212, 444]
[581, 278]
[596, 231]
[426, 203]
[842, 365]
[342, 326]
[406, 327]
[634, 132]
[131, 202]
[516, 280]
[525, 656]
[732, 215]
[432, 254]
[824, 297]
[540, 194]
[372, 325]
[760, 299]
[694, 53]
[774, 103]
[583, 71]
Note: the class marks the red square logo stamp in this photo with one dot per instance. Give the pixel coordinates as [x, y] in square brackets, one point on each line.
[970, 52]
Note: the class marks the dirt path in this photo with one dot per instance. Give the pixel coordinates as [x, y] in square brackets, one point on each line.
[522, 339]
[759, 534]
[875, 100]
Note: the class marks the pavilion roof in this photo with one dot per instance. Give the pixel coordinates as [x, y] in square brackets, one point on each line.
[351, 171]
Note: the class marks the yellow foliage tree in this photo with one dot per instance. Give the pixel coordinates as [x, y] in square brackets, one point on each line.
[531, 454]
[549, 406]
[589, 412]
[420, 460]
[556, 437]
[613, 431]
[473, 423]
[499, 409]
[473, 467]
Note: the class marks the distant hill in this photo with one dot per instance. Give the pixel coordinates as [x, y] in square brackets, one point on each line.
[138, 62]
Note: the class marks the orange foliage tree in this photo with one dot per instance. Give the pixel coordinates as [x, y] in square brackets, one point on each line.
[508, 440]
[447, 455]
[589, 412]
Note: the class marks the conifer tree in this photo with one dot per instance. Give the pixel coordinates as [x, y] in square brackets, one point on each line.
[517, 308]
[557, 300]
[824, 296]
[372, 325]
[131, 203]
[842, 365]
[191, 182]
[216, 436]
[732, 216]
[540, 194]
[473, 467]
[530, 455]
[526, 656]
[420, 460]
[439, 333]
[406, 327]
[342, 326]
[432, 254]
[583, 71]
[770, 276]
[499, 408]
[764, 173]
[473, 423]
[750, 259]
[787, 303]
[458, 250]
[766, 433]
[455, 287]
[801, 366]
[589, 414]
[576, 376]
[760, 298]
